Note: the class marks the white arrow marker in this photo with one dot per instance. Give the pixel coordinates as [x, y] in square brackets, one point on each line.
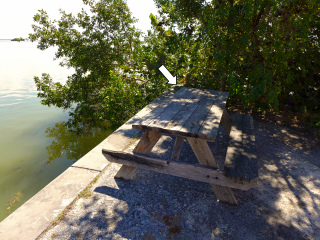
[167, 74]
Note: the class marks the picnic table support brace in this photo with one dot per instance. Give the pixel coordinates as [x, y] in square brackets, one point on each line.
[189, 171]
[205, 157]
[177, 148]
[145, 145]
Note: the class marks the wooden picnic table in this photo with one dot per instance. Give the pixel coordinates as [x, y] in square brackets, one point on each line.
[194, 114]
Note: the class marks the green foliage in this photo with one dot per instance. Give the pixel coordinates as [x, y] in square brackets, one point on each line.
[259, 51]
[110, 82]
[18, 39]
[264, 52]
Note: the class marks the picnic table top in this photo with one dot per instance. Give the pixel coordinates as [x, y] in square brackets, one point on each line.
[189, 112]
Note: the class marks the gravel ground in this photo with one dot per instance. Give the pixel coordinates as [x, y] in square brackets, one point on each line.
[284, 204]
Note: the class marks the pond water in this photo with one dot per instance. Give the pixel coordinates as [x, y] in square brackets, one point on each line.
[35, 147]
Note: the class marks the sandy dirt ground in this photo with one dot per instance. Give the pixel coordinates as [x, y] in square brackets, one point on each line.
[284, 205]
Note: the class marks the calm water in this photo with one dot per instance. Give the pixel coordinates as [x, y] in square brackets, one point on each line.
[34, 145]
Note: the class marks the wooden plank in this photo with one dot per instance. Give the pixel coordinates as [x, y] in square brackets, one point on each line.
[126, 172]
[241, 160]
[184, 115]
[182, 95]
[174, 132]
[177, 148]
[147, 142]
[189, 117]
[157, 110]
[179, 120]
[211, 123]
[206, 158]
[195, 121]
[174, 108]
[224, 194]
[145, 145]
[163, 100]
[198, 173]
[226, 122]
[203, 152]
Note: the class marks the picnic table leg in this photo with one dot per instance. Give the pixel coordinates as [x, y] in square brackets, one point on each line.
[144, 146]
[177, 148]
[205, 157]
[226, 121]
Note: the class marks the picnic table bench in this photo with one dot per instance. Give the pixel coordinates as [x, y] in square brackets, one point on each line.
[195, 114]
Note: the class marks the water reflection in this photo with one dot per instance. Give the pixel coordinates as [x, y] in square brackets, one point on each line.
[35, 146]
[70, 144]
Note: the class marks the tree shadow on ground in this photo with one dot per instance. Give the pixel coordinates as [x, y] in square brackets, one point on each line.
[284, 205]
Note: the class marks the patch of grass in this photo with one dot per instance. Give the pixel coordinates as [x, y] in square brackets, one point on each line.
[95, 179]
[15, 198]
[58, 218]
[86, 193]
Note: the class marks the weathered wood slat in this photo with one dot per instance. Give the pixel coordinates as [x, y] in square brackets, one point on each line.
[173, 132]
[144, 146]
[198, 173]
[196, 113]
[163, 100]
[174, 108]
[211, 123]
[147, 142]
[179, 119]
[182, 95]
[203, 152]
[126, 172]
[241, 160]
[184, 114]
[195, 121]
[206, 158]
[158, 109]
